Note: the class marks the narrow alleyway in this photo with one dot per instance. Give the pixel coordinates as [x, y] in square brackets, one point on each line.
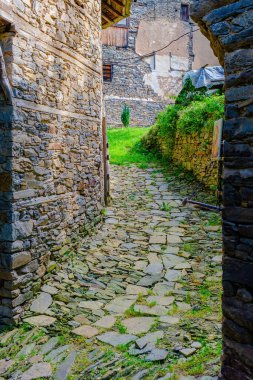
[137, 300]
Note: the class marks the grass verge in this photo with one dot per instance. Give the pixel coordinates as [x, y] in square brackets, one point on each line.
[125, 147]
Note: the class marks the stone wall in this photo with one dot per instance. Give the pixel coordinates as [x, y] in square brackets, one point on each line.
[50, 166]
[143, 112]
[228, 24]
[148, 83]
[193, 152]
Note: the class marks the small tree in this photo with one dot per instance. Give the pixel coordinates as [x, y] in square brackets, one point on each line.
[125, 116]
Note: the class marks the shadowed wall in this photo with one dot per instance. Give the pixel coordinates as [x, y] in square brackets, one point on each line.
[228, 24]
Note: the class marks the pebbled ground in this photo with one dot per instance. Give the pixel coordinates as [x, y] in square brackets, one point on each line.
[138, 299]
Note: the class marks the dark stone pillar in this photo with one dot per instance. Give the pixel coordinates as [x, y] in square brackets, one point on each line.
[229, 26]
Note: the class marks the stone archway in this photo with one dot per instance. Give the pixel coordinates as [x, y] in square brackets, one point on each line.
[228, 25]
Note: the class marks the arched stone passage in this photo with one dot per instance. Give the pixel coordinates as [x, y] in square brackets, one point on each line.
[228, 25]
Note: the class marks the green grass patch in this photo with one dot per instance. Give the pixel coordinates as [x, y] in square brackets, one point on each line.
[198, 363]
[125, 147]
[214, 220]
[122, 329]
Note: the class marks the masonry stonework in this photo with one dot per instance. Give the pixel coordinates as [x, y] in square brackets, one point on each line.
[51, 185]
[144, 80]
[228, 24]
[193, 152]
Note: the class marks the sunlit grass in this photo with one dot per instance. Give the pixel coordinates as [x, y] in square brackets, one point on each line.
[125, 147]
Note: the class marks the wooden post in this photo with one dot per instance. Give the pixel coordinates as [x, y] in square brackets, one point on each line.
[107, 196]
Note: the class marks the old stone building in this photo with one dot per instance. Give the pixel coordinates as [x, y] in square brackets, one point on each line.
[140, 69]
[51, 180]
[228, 24]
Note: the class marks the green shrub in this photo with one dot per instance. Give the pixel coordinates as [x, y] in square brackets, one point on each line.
[200, 114]
[125, 116]
[161, 137]
[189, 93]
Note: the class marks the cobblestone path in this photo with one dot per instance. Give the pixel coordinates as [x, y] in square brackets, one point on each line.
[139, 299]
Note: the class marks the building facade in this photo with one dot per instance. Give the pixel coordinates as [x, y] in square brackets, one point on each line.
[51, 172]
[142, 68]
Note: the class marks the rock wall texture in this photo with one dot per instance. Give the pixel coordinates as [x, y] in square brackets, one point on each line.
[228, 24]
[193, 152]
[148, 83]
[50, 137]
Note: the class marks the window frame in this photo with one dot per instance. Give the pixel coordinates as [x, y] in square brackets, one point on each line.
[185, 12]
[107, 78]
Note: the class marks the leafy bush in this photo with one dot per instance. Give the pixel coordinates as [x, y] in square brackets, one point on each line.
[161, 137]
[125, 116]
[186, 116]
[189, 93]
[200, 114]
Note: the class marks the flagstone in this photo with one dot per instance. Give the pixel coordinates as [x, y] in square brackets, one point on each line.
[188, 351]
[5, 365]
[154, 269]
[134, 289]
[86, 331]
[40, 320]
[162, 289]
[65, 367]
[169, 320]
[92, 305]
[157, 355]
[173, 239]
[140, 265]
[120, 304]
[106, 322]
[149, 338]
[155, 310]
[173, 275]
[182, 266]
[81, 319]
[171, 250]
[149, 280]
[116, 339]
[41, 303]
[157, 239]
[138, 325]
[49, 346]
[161, 300]
[37, 371]
[49, 289]
[170, 261]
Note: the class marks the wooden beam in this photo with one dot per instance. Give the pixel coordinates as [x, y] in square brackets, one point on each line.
[112, 10]
[119, 3]
[106, 18]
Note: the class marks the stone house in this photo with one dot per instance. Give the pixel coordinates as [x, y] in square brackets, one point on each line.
[138, 70]
[51, 172]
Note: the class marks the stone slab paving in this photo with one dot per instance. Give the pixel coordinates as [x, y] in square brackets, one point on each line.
[137, 299]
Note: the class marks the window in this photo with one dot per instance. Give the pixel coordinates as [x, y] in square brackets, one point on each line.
[107, 73]
[185, 12]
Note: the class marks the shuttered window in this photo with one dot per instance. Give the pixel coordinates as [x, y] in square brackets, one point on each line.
[185, 12]
[107, 73]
